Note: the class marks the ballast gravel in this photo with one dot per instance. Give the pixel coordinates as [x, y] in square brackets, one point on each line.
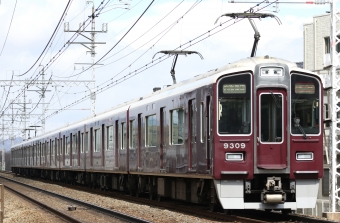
[16, 211]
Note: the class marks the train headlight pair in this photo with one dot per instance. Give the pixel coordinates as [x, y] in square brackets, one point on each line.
[234, 156]
[304, 156]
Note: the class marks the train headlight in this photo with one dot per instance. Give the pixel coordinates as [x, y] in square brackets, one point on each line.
[271, 71]
[234, 156]
[304, 156]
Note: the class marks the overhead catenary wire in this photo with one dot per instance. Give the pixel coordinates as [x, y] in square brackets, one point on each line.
[186, 45]
[9, 28]
[62, 50]
[55, 30]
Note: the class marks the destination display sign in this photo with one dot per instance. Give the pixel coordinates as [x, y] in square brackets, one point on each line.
[234, 88]
[304, 88]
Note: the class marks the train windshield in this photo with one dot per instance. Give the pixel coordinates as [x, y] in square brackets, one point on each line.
[234, 104]
[305, 105]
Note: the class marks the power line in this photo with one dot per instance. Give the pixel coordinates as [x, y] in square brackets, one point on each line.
[55, 30]
[188, 44]
[9, 27]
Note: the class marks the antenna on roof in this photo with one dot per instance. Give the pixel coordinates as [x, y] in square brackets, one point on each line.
[176, 53]
[252, 23]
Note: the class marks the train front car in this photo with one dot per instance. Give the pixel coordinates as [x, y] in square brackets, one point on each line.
[268, 145]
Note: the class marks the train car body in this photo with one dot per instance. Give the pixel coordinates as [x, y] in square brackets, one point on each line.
[246, 136]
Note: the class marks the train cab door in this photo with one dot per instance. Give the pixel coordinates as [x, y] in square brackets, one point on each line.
[271, 136]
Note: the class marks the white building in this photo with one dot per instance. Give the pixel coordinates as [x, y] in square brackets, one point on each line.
[317, 59]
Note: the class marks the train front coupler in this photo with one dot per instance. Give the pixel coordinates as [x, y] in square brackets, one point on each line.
[273, 193]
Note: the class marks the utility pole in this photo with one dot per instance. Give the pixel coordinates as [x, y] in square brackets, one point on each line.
[43, 89]
[92, 50]
[334, 200]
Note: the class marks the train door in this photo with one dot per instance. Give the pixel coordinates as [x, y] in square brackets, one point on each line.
[192, 135]
[86, 152]
[207, 122]
[271, 126]
[116, 143]
[139, 133]
[162, 138]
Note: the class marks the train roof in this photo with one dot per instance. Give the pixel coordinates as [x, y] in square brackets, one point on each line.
[183, 86]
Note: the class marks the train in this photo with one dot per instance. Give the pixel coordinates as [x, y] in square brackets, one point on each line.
[248, 135]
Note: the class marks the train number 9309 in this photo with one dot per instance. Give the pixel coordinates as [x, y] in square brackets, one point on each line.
[234, 145]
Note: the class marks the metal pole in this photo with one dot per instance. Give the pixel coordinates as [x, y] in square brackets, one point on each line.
[333, 172]
[93, 54]
[43, 101]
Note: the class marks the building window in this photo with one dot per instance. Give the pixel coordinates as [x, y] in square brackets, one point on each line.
[109, 138]
[133, 134]
[327, 45]
[97, 141]
[151, 130]
[177, 126]
[123, 135]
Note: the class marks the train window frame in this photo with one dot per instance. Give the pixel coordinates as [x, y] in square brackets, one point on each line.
[319, 88]
[251, 107]
[171, 135]
[147, 132]
[133, 133]
[108, 128]
[97, 142]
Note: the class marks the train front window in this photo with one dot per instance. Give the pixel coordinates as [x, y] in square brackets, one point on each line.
[305, 105]
[234, 104]
[271, 118]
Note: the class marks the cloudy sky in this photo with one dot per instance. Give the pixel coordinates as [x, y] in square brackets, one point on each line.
[27, 26]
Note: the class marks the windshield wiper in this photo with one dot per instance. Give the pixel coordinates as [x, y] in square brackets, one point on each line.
[276, 102]
[297, 124]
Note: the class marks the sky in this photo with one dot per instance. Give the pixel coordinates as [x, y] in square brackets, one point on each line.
[128, 69]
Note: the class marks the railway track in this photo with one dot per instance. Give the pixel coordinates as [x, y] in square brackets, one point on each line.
[77, 211]
[201, 211]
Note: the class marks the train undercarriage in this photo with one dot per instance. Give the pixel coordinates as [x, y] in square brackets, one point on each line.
[263, 192]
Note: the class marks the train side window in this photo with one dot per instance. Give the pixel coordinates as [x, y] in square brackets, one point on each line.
[109, 138]
[63, 146]
[202, 121]
[67, 145]
[133, 134]
[74, 143]
[82, 142]
[151, 131]
[52, 148]
[123, 136]
[177, 126]
[97, 140]
[48, 149]
[87, 138]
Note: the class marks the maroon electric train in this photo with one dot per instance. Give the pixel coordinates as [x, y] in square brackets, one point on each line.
[248, 135]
